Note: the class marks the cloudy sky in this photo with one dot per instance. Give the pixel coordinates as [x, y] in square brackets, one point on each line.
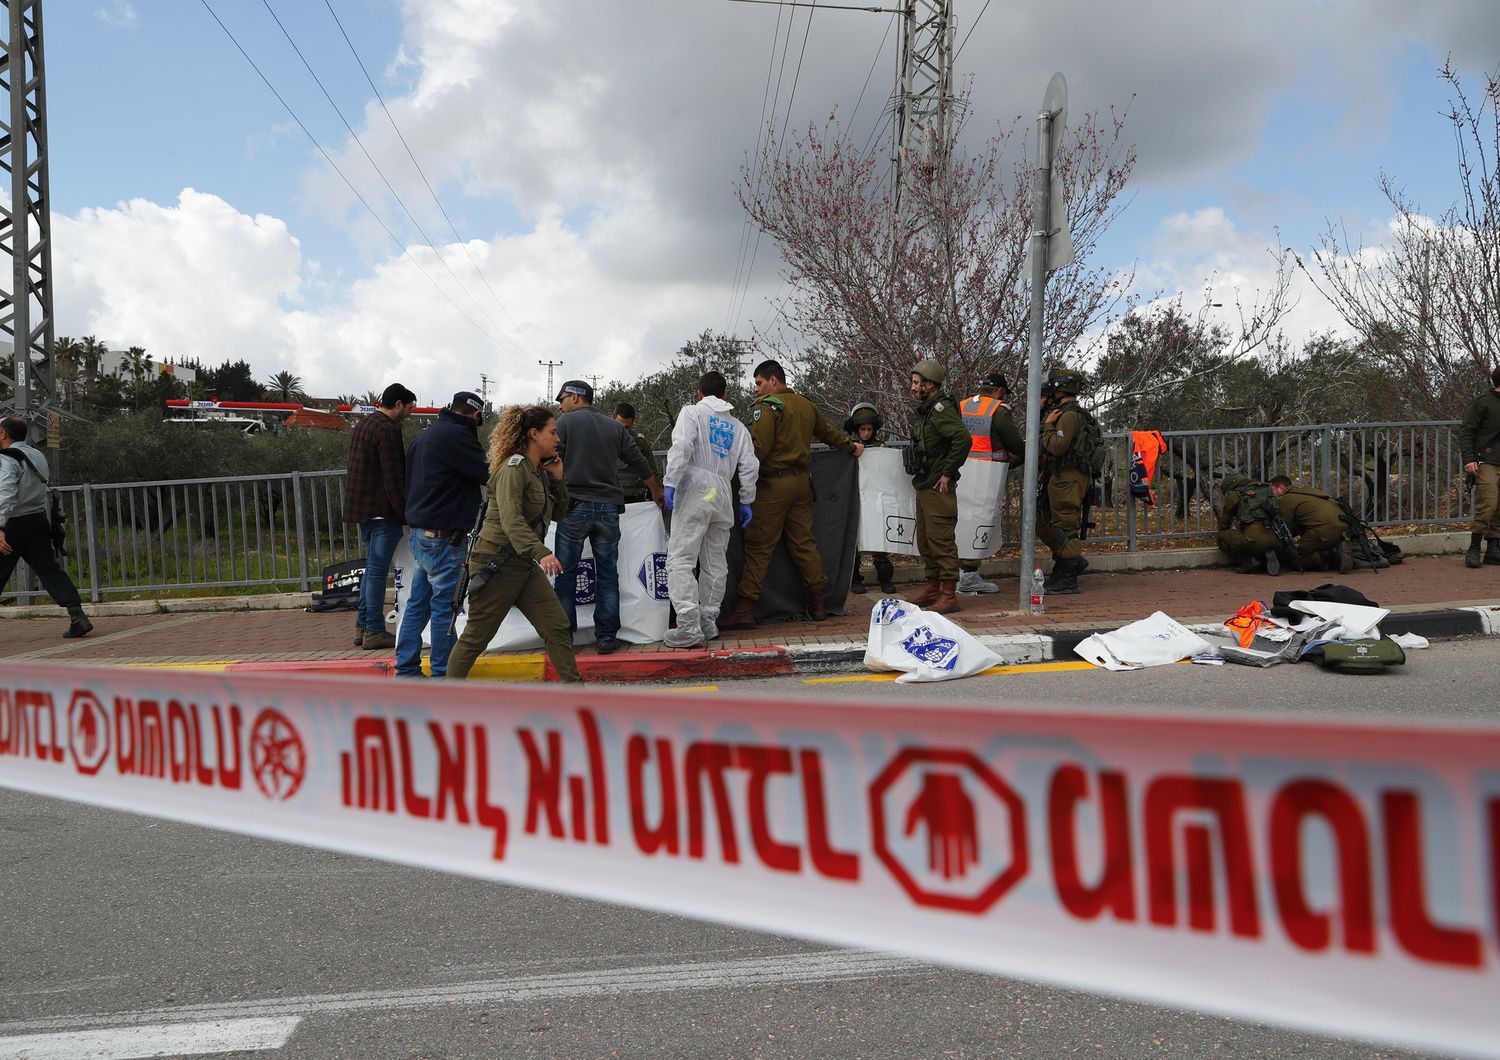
[583, 155]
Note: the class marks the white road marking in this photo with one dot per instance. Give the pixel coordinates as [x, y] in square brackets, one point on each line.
[666, 978]
[171, 1039]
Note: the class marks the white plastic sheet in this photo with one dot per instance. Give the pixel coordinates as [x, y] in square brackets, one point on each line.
[1153, 641]
[923, 645]
[887, 504]
[644, 606]
[1355, 620]
[981, 492]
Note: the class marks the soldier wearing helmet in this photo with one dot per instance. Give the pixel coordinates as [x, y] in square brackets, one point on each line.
[864, 426]
[1072, 454]
[939, 445]
[993, 432]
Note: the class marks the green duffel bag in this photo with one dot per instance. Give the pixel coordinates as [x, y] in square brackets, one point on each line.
[1357, 656]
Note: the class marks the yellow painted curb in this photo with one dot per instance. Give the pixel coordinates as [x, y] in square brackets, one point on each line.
[1020, 668]
[506, 667]
[218, 666]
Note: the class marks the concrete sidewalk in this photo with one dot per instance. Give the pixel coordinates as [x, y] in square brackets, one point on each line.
[1436, 596]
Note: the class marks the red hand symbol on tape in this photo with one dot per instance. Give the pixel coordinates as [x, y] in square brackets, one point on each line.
[948, 813]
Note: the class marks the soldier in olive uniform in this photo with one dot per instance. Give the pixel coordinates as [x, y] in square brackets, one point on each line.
[1319, 524]
[1479, 443]
[630, 480]
[783, 425]
[864, 426]
[939, 446]
[526, 492]
[1242, 533]
[1070, 442]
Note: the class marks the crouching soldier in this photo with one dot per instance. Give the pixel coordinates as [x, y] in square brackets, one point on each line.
[1247, 524]
[864, 425]
[1321, 529]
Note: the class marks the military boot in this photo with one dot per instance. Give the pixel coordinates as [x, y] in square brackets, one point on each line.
[1345, 557]
[742, 617]
[947, 598]
[1064, 579]
[1273, 564]
[1248, 565]
[816, 609]
[885, 571]
[1492, 551]
[1471, 557]
[80, 625]
[858, 585]
[930, 592]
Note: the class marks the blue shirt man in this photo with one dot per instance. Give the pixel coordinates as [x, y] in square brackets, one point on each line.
[445, 475]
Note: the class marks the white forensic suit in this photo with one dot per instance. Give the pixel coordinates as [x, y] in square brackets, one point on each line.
[708, 447]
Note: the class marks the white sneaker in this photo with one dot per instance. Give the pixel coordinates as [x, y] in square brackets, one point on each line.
[683, 637]
[710, 626]
[971, 584]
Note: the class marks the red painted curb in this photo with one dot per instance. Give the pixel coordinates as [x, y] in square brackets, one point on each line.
[768, 661]
[366, 667]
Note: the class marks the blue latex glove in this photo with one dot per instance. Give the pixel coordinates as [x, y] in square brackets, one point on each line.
[671, 493]
[744, 515]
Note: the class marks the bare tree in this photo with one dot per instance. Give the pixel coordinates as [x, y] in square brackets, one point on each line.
[1427, 303]
[871, 293]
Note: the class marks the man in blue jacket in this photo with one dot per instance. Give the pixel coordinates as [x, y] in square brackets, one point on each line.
[445, 475]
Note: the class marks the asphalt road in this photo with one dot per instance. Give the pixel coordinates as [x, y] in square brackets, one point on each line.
[123, 936]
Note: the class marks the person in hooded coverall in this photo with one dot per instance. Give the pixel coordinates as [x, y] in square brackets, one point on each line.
[708, 447]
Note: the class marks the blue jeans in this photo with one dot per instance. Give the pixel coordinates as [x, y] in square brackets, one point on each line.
[437, 563]
[379, 536]
[599, 525]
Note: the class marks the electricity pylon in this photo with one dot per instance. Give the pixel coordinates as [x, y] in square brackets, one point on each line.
[924, 95]
[26, 221]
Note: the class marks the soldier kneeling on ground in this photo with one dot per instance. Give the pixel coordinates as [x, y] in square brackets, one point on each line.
[1245, 526]
[864, 425]
[1318, 523]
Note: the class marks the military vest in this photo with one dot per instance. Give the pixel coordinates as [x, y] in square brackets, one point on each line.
[1088, 451]
[1256, 504]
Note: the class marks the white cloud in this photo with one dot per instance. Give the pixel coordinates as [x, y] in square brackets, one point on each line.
[116, 13]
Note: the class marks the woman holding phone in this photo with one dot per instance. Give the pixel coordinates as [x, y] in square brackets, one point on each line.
[526, 492]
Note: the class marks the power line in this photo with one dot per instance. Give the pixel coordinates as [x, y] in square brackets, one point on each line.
[329, 159]
[972, 28]
[431, 244]
[409, 154]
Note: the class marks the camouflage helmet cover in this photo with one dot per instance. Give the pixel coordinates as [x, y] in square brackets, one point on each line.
[931, 371]
[1066, 381]
[1233, 481]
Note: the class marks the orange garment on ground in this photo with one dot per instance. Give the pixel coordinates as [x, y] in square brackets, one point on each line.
[1247, 620]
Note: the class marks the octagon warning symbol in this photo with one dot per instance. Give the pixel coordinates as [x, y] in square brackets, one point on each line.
[948, 829]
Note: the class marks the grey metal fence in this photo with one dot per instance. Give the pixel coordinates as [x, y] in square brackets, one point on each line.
[281, 530]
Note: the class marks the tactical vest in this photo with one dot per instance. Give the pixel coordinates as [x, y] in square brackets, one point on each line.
[1088, 451]
[978, 413]
[1257, 504]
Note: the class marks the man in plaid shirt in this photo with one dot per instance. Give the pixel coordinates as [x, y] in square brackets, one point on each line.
[375, 498]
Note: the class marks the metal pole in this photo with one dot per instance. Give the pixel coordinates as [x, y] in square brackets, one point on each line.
[1040, 226]
[20, 215]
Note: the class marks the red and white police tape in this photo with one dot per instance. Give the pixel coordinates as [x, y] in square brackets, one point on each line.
[1335, 877]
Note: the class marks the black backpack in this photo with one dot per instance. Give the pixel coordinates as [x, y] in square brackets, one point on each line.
[55, 517]
[1370, 550]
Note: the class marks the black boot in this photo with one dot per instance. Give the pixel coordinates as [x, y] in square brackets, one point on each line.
[885, 572]
[80, 625]
[858, 584]
[1492, 551]
[1249, 565]
[1471, 557]
[1064, 578]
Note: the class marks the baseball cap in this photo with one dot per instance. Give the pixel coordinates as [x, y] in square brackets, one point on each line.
[465, 397]
[576, 386]
[996, 379]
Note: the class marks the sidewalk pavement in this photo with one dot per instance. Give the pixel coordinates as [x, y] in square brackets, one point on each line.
[1435, 596]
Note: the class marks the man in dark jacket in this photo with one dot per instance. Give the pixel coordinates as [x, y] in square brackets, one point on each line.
[591, 445]
[26, 526]
[375, 498]
[445, 476]
[1479, 442]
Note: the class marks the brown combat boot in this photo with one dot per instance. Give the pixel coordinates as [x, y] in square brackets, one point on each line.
[929, 593]
[742, 617]
[947, 599]
[816, 610]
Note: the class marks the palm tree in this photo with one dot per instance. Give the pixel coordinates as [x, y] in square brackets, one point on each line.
[68, 355]
[93, 356]
[136, 362]
[284, 386]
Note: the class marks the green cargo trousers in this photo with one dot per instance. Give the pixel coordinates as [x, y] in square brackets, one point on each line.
[783, 508]
[1060, 520]
[1254, 540]
[1313, 541]
[937, 524]
[520, 583]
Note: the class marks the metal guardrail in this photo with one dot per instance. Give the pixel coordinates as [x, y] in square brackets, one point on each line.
[281, 530]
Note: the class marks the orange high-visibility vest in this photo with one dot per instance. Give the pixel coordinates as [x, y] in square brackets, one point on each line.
[978, 413]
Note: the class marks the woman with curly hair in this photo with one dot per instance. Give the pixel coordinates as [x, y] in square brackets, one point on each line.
[526, 493]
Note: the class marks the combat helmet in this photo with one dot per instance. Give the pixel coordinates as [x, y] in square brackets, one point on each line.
[1232, 481]
[931, 371]
[1065, 381]
[861, 414]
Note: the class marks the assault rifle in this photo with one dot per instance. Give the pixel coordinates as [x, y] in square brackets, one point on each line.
[461, 589]
[1277, 525]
